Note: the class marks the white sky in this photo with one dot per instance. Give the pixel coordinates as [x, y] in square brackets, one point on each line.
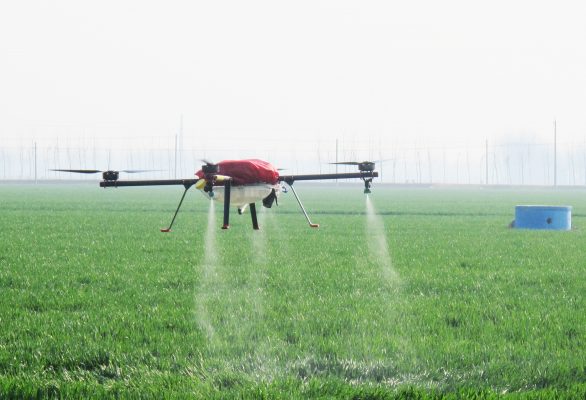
[393, 71]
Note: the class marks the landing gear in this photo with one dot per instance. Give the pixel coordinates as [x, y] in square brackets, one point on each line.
[227, 188]
[187, 186]
[253, 216]
[301, 205]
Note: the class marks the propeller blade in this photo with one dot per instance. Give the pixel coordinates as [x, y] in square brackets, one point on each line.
[362, 162]
[207, 162]
[95, 171]
[137, 171]
[78, 171]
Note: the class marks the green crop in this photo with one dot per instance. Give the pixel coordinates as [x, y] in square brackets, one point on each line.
[430, 296]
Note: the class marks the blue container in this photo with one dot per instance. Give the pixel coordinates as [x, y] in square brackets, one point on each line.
[543, 217]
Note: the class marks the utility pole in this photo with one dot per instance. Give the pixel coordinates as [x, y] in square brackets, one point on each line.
[336, 158]
[522, 170]
[175, 156]
[429, 166]
[380, 162]
[444, 166]
[380, 157]
[486, 161]
[180, 143]
[555, 160]
[35, 163]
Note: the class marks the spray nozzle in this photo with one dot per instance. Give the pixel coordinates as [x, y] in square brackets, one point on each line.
[367, 183]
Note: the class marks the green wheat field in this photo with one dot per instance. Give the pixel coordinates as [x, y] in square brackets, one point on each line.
[412, 293]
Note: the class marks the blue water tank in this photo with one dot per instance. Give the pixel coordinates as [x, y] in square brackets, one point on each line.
[543, 217]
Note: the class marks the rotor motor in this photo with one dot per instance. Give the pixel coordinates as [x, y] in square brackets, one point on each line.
[210, 168]
[110, 175]
[366, 166]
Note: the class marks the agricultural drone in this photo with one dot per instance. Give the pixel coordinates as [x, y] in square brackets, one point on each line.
[239, 183]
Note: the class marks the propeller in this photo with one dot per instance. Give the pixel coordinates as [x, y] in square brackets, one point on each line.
[348, 163]
[78, 171]
[364, 166]
[95, 171]
[211, 177]
[106, 175]
[209, 167]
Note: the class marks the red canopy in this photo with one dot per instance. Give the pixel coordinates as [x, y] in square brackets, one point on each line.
[245, 172]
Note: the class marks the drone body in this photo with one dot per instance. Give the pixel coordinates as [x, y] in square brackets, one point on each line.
[250, 181]
[240, 183]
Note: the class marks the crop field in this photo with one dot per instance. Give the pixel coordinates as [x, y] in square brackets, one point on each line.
[408, 293]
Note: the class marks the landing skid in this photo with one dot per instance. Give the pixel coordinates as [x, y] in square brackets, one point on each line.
[187, 186]
[311, 224]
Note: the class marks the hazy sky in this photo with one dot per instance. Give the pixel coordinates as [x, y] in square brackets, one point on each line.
[396, 71]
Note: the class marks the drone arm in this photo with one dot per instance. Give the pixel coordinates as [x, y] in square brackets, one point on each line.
[159, 182]
[316, 177]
